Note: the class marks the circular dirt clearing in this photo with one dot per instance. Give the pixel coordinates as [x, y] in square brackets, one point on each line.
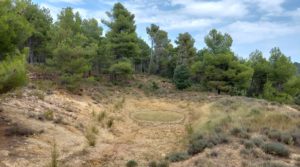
[157, 116]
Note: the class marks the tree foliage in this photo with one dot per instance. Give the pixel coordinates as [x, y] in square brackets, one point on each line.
[181, 77]
[76, 49]
[123, 41]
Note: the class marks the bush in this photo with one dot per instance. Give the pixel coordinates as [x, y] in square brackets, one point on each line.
[241, 133]
[282, 137]
[197, 146]
[286, 138]
[274, 135]
[249, 144]
[110, 123]
[131, 163]
[276, 149]
[181, 77]
[296, 137]
[17, 130]
[258, 142]
[49, 115]
[297, 99]
[163, 164]
[121, 70]
[154, 85]
[101, 116]
[152, 164]
[91, 138]
[198, 142]
[159, 164]
[12, 73]
[179, 156]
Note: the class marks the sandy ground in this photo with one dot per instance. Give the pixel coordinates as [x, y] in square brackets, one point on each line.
[126, 140]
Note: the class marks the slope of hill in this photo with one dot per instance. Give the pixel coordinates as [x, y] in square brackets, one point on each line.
[110, 125]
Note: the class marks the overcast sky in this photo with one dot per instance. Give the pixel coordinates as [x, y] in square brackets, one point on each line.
[253, 24]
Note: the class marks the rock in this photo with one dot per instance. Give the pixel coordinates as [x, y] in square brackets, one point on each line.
[1, 109]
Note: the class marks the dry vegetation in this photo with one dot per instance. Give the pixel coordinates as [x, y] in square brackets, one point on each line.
[112, 126]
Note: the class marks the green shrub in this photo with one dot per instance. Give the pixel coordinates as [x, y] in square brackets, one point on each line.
[101, 116]
[163, 164]
[91, 138]
[121, 70]
[274, 135]
[239, 132]
[12, 73]
[152, 164]
[181, 77]
[296, 137]
[18, 130]
[131, 163]
[257, 141]
[286, 138]
[198, 142]
[197, 146]
[283, 137]
[297, 99]
[154, 85]
[176, 157]
[276, 149]
[49, 115]
[110, 123]
[249, 144]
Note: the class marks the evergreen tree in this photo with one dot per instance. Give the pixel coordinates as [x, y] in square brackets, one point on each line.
[282, 69]
[261, 73]
[218, 42]
[186, 52]
[122, 38]
[220, 68]
[72, 50]
[161, 52]
[14, 31]
[40, 20]
[14, 28]
[141, 62]
[181, 77]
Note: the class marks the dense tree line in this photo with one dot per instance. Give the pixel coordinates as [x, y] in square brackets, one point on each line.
[75, 49]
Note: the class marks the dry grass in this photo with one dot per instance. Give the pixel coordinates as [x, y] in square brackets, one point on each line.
[236, 112]
[157, 116]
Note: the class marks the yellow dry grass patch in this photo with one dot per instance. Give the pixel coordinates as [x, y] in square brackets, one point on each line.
[157, 116]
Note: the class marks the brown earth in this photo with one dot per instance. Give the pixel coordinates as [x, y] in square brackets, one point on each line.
[66, 119]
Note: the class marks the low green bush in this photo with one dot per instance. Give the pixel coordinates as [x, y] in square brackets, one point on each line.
[199, 142]
[12, 73]
[176, 157]
[276, 149]
[239, 132]
[258, 141]
[249, 144]
[197, 146]
[296, 137]
[131, 163]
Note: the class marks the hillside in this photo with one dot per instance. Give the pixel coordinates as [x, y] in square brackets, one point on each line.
[110, 125]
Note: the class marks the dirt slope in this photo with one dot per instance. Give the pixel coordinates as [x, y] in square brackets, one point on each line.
[56, 116]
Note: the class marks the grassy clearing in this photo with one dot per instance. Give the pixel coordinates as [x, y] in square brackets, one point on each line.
[157, 116]
[227, 114]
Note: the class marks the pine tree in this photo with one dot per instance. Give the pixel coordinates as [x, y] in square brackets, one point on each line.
[122, 38]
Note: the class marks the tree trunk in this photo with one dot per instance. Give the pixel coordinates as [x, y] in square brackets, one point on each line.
[31, 54]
